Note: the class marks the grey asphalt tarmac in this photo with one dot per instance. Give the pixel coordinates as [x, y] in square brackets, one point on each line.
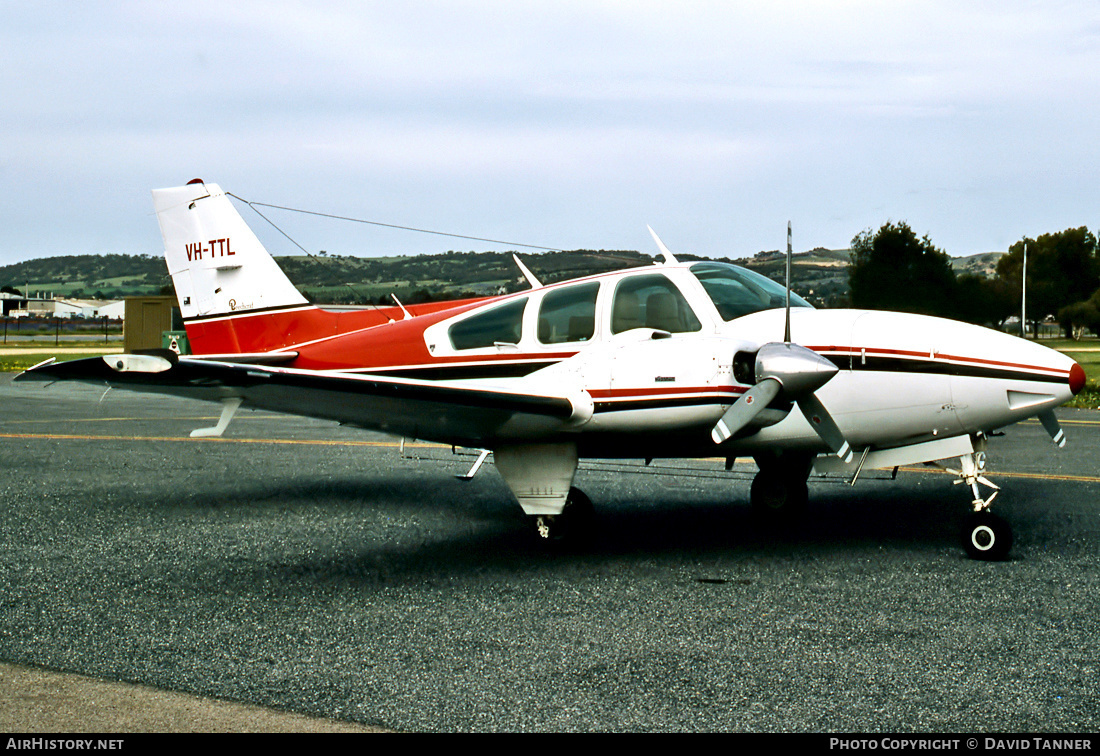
[298, 576]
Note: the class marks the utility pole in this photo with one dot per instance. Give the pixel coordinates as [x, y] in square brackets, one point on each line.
[1023, 296]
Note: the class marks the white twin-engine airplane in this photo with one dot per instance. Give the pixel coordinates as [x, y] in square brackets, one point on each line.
[675, 360]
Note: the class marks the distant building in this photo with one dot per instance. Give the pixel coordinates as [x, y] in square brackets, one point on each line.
[21, 307]
[91, 308]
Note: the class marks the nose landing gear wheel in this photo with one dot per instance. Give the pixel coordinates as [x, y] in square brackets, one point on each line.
[987, 537]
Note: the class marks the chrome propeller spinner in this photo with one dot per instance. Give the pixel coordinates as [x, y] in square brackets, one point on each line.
[796, 373]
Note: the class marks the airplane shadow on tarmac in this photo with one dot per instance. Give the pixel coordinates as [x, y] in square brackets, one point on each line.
[391, 528]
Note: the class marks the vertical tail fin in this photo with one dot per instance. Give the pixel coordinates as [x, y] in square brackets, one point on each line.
[217, 264]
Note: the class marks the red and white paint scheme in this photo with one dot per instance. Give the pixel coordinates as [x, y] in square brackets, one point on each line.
[693, 359]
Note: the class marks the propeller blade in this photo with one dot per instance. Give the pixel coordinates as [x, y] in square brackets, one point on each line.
[745, 409]
[1052, 426]
[824, 425]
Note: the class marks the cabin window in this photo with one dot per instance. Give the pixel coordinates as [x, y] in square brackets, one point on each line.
[651, 301]
[568, 314]
[737, 291]
[500, 325]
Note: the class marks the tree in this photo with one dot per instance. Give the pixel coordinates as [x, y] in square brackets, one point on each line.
[1075, 318]
[985, 301]
[1062, 268]
[894, 270]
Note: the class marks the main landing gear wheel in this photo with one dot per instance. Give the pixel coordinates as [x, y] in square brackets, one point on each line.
[776, 496]
[987, 537]
[573, 526]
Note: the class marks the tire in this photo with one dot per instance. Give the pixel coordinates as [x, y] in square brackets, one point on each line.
[573, 526]
[987, 537]
[776, 497]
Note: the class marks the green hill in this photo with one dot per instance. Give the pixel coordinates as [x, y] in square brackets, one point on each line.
[819, 274]
[90, 276]
[418, 278]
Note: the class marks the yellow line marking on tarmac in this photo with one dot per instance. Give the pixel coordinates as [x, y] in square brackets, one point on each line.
[112, 420]
[423, 445]
[196, 418]
[286, 441]
[1008, 474]
[18, 351]
[1064, 422]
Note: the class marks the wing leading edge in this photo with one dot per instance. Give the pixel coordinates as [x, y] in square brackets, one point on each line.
[446, 412]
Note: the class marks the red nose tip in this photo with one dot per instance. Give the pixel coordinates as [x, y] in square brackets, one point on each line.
[1076, 379]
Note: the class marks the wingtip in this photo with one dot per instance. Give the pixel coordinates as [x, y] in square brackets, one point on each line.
[25, 375]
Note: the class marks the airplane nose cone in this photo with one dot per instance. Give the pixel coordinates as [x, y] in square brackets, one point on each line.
[1076, 379]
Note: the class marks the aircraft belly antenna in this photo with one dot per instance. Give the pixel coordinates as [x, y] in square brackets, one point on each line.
[230, 405]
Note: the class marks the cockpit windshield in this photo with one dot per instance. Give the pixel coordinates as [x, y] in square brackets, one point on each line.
[737, 291]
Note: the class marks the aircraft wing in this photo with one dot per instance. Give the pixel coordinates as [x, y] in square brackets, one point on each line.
[447, 412]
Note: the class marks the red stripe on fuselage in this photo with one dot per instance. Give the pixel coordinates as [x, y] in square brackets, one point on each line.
[875, 352]
[324, 339]
[636, 393]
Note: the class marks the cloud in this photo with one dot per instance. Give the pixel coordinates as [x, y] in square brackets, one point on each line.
[585, 120]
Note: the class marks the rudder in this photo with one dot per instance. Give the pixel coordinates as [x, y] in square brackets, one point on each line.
[217, 264]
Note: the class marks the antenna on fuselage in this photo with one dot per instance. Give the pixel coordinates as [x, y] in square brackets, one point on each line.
[535, 283]
[669, 257]
[407, 313]
[787, 322]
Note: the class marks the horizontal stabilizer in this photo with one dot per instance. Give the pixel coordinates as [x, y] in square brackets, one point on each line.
[449, 412]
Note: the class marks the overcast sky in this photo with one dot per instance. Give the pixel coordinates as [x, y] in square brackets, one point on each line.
[560, 124]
